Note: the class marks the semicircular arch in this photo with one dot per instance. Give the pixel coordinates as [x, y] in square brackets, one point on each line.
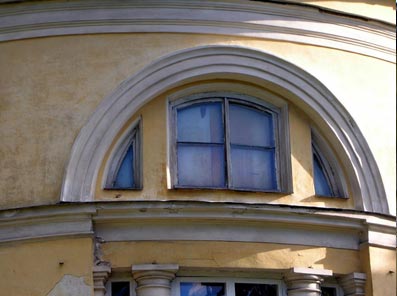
[234, 62]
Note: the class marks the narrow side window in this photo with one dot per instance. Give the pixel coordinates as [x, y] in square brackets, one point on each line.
[125, 167]
[327, 174]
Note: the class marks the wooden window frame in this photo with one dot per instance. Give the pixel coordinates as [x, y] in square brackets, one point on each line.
[281, 138]
[133, 137]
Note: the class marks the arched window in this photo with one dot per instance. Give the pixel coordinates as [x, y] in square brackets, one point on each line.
[327, 174]
[229, 141]
[124, 170]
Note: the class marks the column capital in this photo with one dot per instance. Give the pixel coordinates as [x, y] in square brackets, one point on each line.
[353, 284]
[154, 279]
[100, 274]
[305, 281]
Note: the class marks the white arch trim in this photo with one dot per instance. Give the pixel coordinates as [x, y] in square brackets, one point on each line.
[200, 63]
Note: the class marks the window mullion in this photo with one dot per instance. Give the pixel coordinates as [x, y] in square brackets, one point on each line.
[227, 144]
[230, 288]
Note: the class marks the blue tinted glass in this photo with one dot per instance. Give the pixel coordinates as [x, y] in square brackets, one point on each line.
[253, 168]
[321, 184]
[202, 289]
[201, 165]
[201, 123]
[125, 175]
[249, 126]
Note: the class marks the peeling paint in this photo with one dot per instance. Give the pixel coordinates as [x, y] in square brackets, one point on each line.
[70, 285]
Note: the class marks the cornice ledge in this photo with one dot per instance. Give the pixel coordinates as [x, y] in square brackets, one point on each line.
[204, 221]
[45, 222]
[239, 213]
[264, 20]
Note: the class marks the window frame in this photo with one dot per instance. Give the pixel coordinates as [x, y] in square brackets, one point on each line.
[283, 169]
[329, 165]
[229, 283]
[133, 136]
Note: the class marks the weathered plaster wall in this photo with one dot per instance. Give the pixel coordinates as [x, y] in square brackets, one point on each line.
[55, 267]
[49, 90]
[232, 255]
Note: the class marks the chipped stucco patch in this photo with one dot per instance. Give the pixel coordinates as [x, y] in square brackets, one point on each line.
[70, 286]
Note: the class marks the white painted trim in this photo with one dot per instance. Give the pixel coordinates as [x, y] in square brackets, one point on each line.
[292, 23]
[311, 271]
[239, 63]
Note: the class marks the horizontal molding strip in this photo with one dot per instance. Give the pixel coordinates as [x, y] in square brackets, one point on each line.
[198, 221]
[45, 223]
[291, 23]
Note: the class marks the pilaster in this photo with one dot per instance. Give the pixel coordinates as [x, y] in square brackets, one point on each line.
[100, 274]
[154, 279]
[353, 284]
[305, 281]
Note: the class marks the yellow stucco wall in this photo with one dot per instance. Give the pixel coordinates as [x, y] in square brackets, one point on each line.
[232, 255]
[383, 271]
[49, 90]
[36, 268]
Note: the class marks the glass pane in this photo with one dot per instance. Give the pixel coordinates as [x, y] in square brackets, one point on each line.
[253, 168]
[200, 123]
[251, 127]
[201, 165]
[255, 290]
[328, 291]
[125, 175]
[202, 289]
[321, 184]
[120, 288]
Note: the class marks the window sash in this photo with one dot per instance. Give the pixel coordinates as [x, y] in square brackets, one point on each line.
[226, 100]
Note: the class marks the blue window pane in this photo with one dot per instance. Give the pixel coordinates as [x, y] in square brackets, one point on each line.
[321, 184]
[255, 290]
[201, 123]
[125, 175]
[201, 165]
[253, 168]
[202, 289]
[251, 127]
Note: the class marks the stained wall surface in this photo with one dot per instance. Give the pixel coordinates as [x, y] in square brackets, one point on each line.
[52, 268]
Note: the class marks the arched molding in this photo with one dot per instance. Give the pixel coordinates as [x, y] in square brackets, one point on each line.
[290, 22]
[202, 63]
